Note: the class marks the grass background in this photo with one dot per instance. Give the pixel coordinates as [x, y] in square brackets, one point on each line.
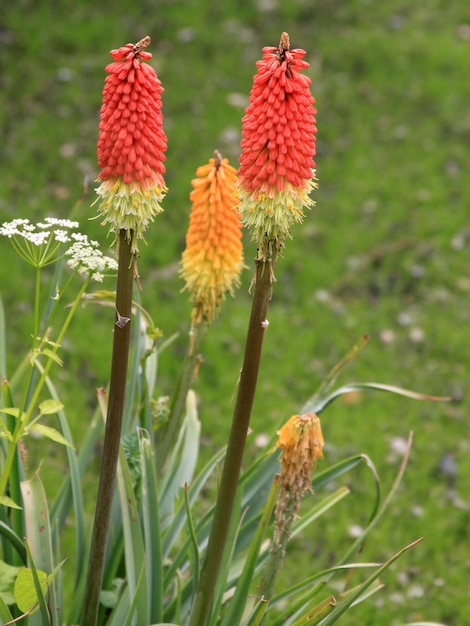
[384, 253]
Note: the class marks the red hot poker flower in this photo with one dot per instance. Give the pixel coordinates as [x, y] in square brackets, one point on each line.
[278, 145]
[131, 142]
[213, 258]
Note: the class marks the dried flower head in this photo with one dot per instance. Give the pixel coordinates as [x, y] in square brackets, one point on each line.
[131, 143]
[301, 441]
[278, 145]
[213, 258]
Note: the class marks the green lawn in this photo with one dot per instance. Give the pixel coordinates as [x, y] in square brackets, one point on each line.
[384, 253]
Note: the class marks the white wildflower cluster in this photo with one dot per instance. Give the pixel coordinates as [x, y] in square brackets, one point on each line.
[86, 257]
[41, 244]
[39, 234]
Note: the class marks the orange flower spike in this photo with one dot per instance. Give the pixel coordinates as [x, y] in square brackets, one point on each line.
[131, 143]
[278, 145]
[213, 258]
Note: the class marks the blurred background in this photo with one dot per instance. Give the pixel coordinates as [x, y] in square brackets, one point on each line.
[384, 253]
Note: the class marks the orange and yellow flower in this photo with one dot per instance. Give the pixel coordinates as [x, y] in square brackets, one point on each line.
[131, 143]
[278, 145]
[213, 258]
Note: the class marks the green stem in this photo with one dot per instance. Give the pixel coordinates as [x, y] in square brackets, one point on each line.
[112, 437]
[36, 307]
[179, 399]
[277, 552]
[236, 444]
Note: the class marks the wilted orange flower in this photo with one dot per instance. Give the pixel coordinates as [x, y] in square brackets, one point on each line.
[301, 441]
[131, 142]
[213, 258]
[278, 145]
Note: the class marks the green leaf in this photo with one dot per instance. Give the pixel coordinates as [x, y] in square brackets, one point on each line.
[11, 411]
[318, 612]
[344, 604]
[14, 540]
[109, 597]
[322, 392]
[38, 532]
[424, 624]
[5, 611]
[70, 492]
[130, 445]
[24, 590]
[6, 501]
[52, 355]
[151, 527]
[134, 552]
[51, 433]
[182, 464]
[256, 616]
[8, 575]
[130, 618]
[371, 386]
[3, 343]
[194, 556]
[238, 601]
[298, 604]
[49, 407]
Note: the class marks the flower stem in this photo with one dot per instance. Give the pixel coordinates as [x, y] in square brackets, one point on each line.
[278, 550]
[236, 443]
[185, 381]
[112, 437]
[36, 307]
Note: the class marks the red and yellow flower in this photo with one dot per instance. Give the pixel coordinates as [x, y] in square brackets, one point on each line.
[213, 258]
[131, 143]
[278, 145]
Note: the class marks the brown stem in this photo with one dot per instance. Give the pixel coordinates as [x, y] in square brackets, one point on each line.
[112, 437]
[236, 444]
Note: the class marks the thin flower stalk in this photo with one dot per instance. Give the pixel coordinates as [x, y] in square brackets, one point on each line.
[236, 444]
[131, 143]
[301, 442]
[112, 437]
[277, 171]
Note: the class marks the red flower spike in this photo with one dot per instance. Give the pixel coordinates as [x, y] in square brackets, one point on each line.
[131, 142]
[278, 145]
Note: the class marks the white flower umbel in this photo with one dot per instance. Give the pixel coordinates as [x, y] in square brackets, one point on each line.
[42, 244]
[39, 244]
[87, 258]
